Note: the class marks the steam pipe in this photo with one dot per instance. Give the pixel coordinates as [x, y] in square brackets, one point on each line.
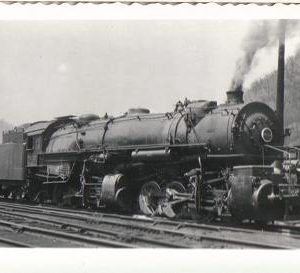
[280, 76]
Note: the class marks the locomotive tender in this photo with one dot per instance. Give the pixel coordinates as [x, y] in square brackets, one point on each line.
[201, 156]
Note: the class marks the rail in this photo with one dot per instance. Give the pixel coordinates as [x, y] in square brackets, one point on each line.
[143, 232]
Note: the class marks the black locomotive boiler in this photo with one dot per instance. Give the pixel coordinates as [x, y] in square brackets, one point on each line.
[201, 156]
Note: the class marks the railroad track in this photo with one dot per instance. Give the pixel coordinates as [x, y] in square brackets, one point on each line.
[128, 231]
[291, 229]
[88, 234]
[13, 243]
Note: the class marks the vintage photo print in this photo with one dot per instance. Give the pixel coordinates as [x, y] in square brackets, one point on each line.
[155, 126]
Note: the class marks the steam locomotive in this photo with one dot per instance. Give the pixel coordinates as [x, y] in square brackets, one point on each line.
[203, 157]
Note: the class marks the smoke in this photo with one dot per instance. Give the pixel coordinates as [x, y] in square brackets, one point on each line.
[263, 34]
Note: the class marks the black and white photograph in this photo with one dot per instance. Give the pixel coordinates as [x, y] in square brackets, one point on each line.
[164, 133]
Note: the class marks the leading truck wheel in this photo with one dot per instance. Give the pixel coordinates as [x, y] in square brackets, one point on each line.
[149, 198]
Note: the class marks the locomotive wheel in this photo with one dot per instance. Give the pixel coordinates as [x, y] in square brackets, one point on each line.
[176, 209]
[177, 186]
[149, 198]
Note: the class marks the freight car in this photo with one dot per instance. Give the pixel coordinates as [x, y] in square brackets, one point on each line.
[205, 156]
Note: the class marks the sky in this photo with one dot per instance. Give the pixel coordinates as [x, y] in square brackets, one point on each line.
[56, 68]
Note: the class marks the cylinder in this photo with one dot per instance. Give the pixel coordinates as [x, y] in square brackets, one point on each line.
[110, 185]
[249, 194]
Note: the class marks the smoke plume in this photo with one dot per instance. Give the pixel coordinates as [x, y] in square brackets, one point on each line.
[262, 34]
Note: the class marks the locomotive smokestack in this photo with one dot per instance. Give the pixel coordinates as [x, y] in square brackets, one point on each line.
[280, 76]
[235, 96]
